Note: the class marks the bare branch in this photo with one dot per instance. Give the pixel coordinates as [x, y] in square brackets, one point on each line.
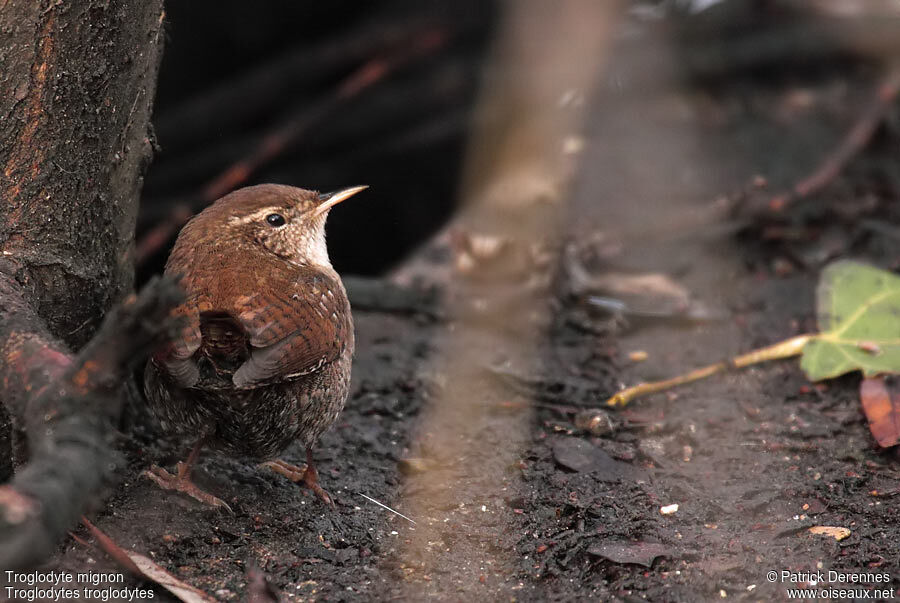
[66, 403]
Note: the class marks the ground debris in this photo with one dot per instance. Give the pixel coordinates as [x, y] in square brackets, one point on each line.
[577, 454]
[637, 553]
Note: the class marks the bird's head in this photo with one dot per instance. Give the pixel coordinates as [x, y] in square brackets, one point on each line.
[282, 220]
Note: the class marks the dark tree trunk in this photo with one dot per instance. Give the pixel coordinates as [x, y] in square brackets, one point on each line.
[78, 85]
[78, 81]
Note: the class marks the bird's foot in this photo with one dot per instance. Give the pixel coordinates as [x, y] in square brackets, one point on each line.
[308, 476]
[182, 483]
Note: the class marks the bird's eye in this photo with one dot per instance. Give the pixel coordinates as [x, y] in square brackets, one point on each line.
[275, 219]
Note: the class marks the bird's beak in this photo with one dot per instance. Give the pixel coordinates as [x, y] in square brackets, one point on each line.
[329, 200]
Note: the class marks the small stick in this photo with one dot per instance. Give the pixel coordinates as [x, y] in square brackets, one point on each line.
[854, 141]
[383, 506]
[274, 143]
[110, 548]
[785, 349]
[717, 212]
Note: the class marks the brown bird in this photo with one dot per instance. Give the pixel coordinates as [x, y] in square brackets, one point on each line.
[264, 358]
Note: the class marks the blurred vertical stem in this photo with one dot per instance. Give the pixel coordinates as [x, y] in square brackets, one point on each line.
[519, 163]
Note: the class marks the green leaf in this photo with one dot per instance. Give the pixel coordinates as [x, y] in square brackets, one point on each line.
[858, 310]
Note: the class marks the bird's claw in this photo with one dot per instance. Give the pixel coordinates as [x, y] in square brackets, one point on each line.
[181, 483]
[307, 476]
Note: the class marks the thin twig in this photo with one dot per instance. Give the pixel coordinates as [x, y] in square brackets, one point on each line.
[383, 506]
[727, 214]
[784, 349]
[287, 133]
[854, 141]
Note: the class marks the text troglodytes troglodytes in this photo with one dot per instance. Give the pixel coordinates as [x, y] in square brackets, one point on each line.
[264, 358]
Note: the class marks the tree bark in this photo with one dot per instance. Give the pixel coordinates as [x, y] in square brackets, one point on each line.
[78, 81]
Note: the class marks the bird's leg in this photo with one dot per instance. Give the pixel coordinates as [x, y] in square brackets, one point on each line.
[308, 476]
[181, 481]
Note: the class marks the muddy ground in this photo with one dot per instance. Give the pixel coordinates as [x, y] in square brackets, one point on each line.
[528, 507]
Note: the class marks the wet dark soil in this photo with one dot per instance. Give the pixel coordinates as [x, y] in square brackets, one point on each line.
[528, 506]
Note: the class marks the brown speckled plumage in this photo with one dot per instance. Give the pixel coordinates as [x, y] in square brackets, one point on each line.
[264, 359]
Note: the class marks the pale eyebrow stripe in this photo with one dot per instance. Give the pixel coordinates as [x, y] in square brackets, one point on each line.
[257, 215]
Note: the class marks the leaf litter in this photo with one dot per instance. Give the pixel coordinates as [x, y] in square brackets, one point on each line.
[858, 315]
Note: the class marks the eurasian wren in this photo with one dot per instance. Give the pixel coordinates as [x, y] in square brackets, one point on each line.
[264, 358]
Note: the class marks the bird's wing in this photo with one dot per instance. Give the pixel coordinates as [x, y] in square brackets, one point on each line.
[178, 357]
[295, 327]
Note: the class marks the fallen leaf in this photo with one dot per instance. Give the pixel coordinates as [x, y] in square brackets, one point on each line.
[182, 590]
[637, 553]
[882, 409]
[581, 456]
[146, 569]
[857, 308]
[644, 285]
[836, 532]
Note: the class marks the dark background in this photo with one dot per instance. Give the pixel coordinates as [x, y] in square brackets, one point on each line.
[691, 111]
[234, 72]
